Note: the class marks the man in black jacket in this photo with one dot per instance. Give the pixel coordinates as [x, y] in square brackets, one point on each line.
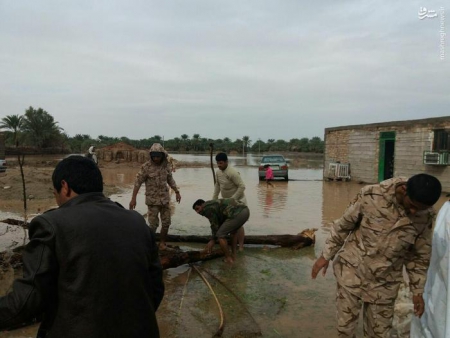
[91, 268]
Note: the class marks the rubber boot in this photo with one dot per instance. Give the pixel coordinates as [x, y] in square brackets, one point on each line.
[162, 238]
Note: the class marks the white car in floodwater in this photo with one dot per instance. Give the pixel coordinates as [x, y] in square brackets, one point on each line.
[278, 164]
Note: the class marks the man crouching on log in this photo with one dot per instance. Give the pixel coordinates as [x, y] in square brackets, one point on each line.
[226, 216]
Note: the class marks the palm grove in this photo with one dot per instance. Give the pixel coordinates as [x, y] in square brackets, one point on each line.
[38, 130]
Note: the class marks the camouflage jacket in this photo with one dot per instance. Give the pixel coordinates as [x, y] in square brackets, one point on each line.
[218, 211]
[376, 239]
[156, 178]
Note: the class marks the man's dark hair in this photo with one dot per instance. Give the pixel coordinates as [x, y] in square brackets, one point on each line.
[221, 157]
[81, 174]
[198, 202]
[424, 188]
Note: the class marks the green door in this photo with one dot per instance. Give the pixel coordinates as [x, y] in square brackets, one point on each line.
[386, 157]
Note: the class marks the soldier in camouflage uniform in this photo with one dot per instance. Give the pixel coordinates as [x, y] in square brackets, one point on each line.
[387, 226]
[225, 216]
[157, 175]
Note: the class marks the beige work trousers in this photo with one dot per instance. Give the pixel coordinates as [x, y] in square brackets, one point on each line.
[377, 318]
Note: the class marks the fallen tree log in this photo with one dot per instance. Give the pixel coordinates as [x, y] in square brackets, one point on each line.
[169, 258]
[172, 259]
[305, 238]
[12, 221]
[173, 256]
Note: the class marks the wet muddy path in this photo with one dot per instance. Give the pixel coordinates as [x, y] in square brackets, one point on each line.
[268, 290]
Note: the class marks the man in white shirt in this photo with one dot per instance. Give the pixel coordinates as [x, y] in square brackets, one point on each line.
[230, 185]
[435, 322]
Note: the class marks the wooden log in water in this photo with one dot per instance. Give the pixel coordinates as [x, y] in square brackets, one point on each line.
[11, 258]
[170, 258]
[174, 257]
[12, 221]
[305, 238]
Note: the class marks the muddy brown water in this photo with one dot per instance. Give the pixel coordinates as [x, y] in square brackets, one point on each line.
[268, 290]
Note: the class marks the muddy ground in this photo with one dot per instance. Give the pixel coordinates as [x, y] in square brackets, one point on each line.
[38, 185]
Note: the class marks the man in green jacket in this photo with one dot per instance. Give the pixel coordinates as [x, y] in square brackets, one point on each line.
[226, 216]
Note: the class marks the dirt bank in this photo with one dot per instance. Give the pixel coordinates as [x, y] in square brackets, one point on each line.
[38, 186]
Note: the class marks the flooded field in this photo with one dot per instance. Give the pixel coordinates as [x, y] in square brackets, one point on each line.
[267, 291]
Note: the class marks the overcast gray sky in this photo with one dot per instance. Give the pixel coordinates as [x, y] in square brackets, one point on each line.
[267, 69]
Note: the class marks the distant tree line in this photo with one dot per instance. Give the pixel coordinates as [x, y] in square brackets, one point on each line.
[38, 129]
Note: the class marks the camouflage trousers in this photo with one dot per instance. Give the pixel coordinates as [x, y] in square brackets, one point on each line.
[377, 318]
[153, 219]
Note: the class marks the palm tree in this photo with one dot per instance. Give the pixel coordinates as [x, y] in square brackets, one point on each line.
[40, 127]
[281, 145]
[270, 141]
[316, 144]
[304, 144]
[226, 144]
[195, 141]
[176, 143]
[245, 143]
[125, 139]
[14, 123]
[185, 138]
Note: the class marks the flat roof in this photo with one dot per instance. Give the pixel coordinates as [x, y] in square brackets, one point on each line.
[431, 120]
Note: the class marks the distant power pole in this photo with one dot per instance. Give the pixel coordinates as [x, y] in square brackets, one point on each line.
[163, 141]
[2, 146]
